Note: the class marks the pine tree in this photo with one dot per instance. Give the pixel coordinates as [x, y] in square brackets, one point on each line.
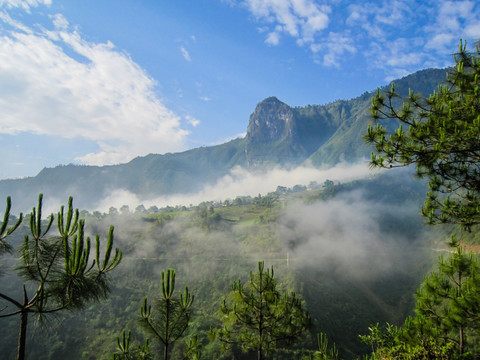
[56, 270]
[449, 299]
[257, 317]
[140, 352]
[447, 315]
[442, 140]
[170, 316]
[440, 136]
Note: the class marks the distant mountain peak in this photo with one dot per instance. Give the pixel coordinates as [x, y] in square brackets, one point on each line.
[272, 120]
[270, 100]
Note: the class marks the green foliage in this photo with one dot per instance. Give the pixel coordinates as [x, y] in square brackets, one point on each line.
[193, 350]
[447, 318]
[440, 136]
[5, 231]
[449, 300]
[324, 352]
[56, 270]
[258, 317]
[141, 352]
[209, 259]
[407, 343]
[442, 141]
[171, 316]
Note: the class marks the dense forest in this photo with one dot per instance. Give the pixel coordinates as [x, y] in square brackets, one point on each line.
[354, 253]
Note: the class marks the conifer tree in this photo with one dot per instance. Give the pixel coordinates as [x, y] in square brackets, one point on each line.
[442, 140]
[170, 316]
[56, 269]
[124, 352]
[449, 299]
[324, 351]
[447, 315]
[257, 317]
[440, 136]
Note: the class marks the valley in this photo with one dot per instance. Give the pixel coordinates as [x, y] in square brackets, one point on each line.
[348, 279]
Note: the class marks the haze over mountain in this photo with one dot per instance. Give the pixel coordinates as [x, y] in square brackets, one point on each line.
[278, 136]
[354, 250]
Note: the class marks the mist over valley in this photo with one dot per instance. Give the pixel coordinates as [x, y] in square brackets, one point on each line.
[295, 192]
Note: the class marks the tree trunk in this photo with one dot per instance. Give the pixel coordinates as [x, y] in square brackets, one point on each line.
[459, 293]
[461, 340]
[22, 333]
[260, 319]
[167, 324]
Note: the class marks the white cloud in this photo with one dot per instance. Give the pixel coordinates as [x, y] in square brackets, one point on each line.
[96, 93]
[454, 20]
[405, 59]
[473, 31]
[60, 22]
[378, 19]
[117, 199]
[192, 121]
[185, 54]
[346, 235]
[433, 29]
[440, 41]
[5, 18]
[273, 38]
[392, 13]
[334, 48]
[301, 19]
[23, 4]
[398, 57]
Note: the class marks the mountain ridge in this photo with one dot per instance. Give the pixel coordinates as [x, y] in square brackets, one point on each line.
[277, 135]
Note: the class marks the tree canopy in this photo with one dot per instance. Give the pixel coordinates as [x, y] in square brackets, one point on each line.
[440, 135]
[258, 317]
[170, 316]
[57, 271]
[442, 140]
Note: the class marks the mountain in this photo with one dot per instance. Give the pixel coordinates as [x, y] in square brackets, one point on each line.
[146, 176]
[277, 134]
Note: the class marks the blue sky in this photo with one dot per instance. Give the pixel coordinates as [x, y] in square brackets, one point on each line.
[101, 82]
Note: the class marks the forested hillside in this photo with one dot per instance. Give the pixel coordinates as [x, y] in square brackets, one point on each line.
[354, 252]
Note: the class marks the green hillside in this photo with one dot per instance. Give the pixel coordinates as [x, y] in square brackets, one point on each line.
[359, 281]
[354, 115]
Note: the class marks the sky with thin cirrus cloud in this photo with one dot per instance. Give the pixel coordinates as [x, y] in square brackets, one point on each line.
[102, 82]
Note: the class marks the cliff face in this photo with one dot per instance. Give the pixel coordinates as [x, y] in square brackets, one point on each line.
[321, 134]
[280, 134]
[271, 134]
[271, 121]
